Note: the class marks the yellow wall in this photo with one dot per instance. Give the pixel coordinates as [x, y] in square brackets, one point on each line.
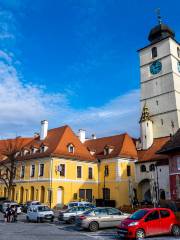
[117, 181]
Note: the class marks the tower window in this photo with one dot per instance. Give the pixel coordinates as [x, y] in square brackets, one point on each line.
[154, 52]
[172, 124]
[162, 122]
[178, 52]
[157, 103]
[143, 168]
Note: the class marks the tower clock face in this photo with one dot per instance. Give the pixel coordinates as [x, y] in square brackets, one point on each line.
[178, 66]
[155, 67]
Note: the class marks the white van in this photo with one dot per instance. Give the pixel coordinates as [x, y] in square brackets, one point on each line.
[39, 213]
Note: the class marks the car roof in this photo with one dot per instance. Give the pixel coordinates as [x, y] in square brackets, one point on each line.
[152, 209]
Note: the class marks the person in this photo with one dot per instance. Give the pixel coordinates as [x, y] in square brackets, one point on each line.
[14, 214]
[8, 213]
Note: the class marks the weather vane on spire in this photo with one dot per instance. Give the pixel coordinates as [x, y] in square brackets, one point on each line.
[158, 12]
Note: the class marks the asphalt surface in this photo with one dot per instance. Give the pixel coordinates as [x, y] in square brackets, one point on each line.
[55, 231]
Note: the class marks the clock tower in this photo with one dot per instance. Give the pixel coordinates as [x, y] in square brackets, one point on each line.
[160, 81]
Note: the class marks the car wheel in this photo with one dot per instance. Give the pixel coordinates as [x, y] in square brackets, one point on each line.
[175, 230]
[39, 220]
[93, 226]
[140, 234]
[52, 219]
[72, 220]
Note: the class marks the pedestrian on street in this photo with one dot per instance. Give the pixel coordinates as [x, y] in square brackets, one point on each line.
[8, 213]
[14, 214]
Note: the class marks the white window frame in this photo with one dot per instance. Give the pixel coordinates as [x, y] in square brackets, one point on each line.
[33, 164]
[21, 170]
[41, 163]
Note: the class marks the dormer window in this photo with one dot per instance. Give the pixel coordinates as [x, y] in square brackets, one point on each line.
[71, 148]
[34, 150]
[26, 152]
[108, 149]
[43, 148]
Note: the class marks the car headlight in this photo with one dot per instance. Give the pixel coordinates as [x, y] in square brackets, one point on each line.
[133, 224]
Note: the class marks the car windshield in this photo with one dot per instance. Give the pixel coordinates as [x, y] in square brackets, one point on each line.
[138, 215]
[43, 208]
[73, 205]
[89, 212]
[74, 209]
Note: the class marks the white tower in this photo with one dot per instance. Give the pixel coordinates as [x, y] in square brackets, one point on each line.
[146, 129]
[160, 80]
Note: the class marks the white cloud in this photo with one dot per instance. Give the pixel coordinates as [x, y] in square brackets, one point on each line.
[23, 106]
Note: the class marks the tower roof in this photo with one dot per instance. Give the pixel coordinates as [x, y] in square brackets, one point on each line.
[145, 116]
[160, 32]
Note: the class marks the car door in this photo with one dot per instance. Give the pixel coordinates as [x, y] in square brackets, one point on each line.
[30, 213]
[102, 217]
[115, 216]
[153, 223]
[165, 220]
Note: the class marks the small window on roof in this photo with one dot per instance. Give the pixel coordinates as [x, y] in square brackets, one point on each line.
[71, 148]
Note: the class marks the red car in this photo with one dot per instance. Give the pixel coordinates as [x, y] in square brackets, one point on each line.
[149, 222]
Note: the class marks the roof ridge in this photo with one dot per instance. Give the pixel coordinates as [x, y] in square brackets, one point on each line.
[106, 137]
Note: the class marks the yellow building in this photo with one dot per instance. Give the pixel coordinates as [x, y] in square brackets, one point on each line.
[58, 167]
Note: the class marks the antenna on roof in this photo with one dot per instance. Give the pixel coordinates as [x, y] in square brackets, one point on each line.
[159, 18]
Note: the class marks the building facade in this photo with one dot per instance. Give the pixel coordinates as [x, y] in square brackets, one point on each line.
[58, 167]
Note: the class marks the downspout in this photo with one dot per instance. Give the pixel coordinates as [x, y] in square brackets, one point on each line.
[51, 174]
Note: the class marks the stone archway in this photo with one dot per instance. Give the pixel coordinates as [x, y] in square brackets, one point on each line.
[42, 197]
[144, 190]
[32, 193]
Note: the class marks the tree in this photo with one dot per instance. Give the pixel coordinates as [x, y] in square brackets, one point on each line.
[10, 150]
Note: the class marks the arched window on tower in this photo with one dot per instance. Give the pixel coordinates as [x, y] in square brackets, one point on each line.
[152, 168]
[154, 52]
[143, 168]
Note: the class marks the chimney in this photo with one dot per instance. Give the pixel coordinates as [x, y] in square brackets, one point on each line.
[44, 129]
[93, 136]
[82, 135]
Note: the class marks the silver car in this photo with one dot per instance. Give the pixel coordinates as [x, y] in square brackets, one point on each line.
[103, 217]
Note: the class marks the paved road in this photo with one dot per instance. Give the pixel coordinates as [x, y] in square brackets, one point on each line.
[54, 231]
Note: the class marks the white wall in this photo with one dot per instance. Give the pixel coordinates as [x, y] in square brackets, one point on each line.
[163, 176]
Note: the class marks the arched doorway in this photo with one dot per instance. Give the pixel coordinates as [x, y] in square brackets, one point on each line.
[60, 196]
[144, 190]
[32, 194]
[162, 194]
[21, 195]
[13, 194]
[5, 192]
[42, 194]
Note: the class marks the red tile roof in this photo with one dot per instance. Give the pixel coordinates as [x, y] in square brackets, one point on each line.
[57, 141]
[121, 145]
[150, 154]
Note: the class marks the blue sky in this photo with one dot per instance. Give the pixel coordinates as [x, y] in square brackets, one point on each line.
[74, 62]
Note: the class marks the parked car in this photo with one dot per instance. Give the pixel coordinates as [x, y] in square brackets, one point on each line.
[39, 213]
[101, 217]
[80, 204]
[11, 204]
[69, 215]
[28, 204]
[149, 222]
